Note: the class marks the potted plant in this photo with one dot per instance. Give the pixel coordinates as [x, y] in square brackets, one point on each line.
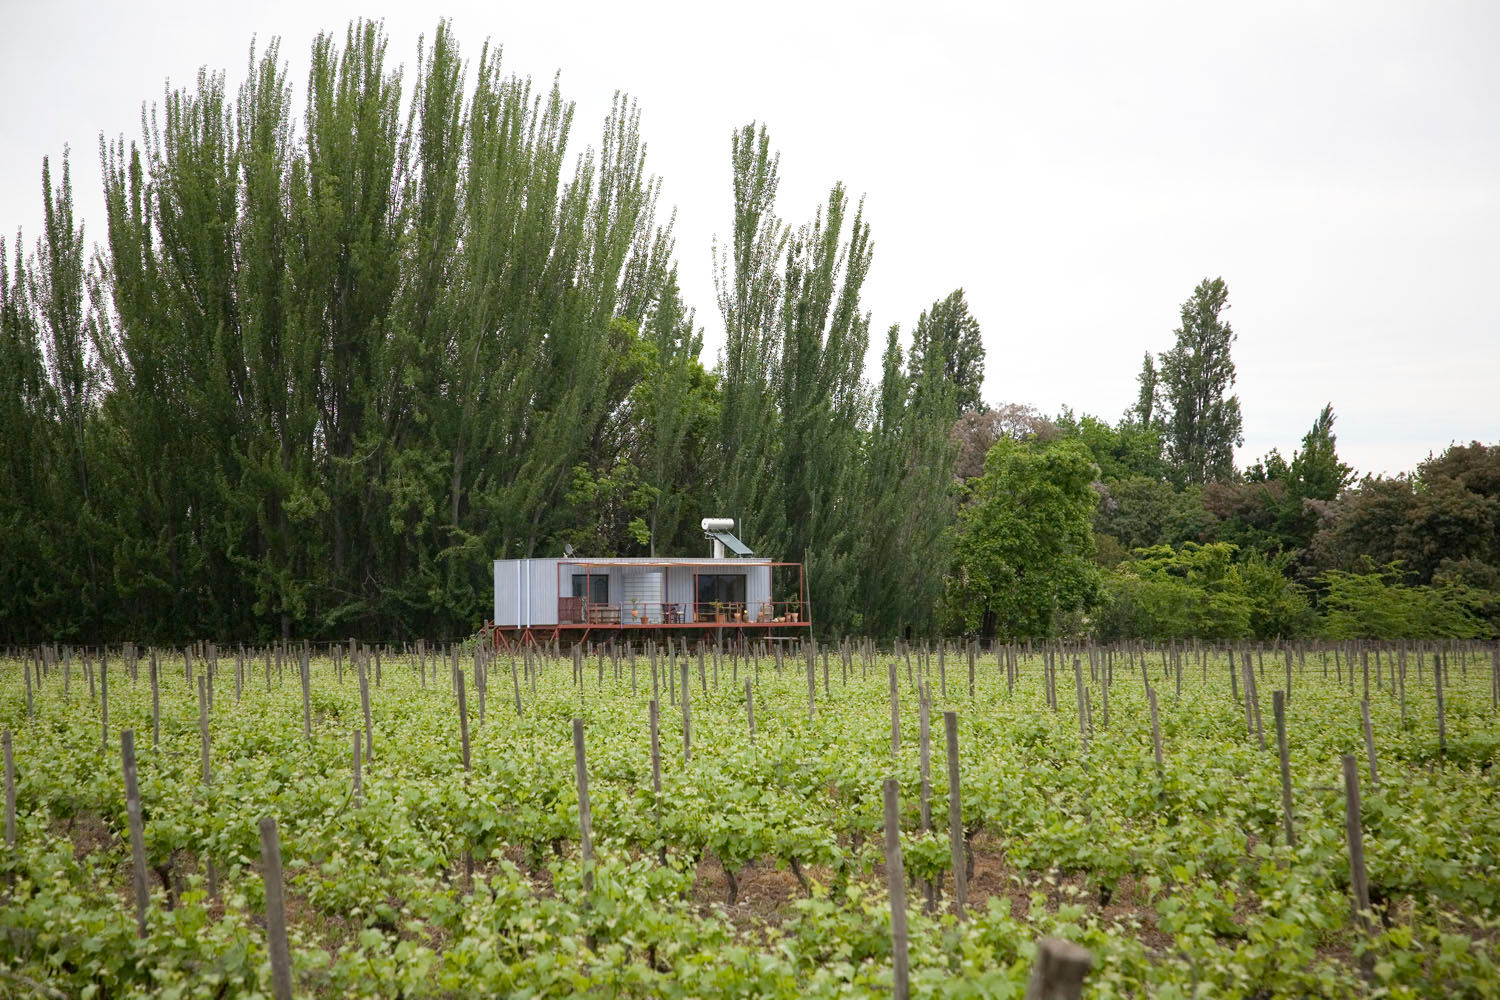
[635, 609]
[718, 609]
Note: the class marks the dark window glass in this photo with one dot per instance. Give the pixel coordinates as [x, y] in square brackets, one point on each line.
[728, 588]
[598, 587]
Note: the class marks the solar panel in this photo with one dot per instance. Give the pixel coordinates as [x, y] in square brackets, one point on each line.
[731, 543]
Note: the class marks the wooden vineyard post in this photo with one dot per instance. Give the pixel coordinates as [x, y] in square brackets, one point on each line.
[1104, 696]
[304, 671]
[270, 868]
[687, 715]
[213, 877]
[1252, 694]
[955, 817]
[10, 789]
[895, 713]
[924, 743]
[155, 704]
[364, 702]
[1083, 732]
[896, 880]
[812, 687]
[1442, 722]
[26, 669]
[463, 735]
[654, 710]
[1357, 877]
[1494, 680]
[1058, 971]
[750, 711]
[924, 731]
[1401, 685]
[481, 684]
[1161, 771]
[1364, 711]
[585, 820]
[103, 701]
[358, 775]
[515, 680]
[1278, 707]
[137, 828]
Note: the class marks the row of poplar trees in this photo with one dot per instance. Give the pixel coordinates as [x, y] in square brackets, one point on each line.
[318, 370]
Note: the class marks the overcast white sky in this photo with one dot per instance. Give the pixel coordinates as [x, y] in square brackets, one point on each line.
[1076, 168]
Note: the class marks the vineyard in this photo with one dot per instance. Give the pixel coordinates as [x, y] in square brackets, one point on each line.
[1298, 820]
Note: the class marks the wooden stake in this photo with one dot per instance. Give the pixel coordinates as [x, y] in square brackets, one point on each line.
[896, 880]
[104, 701]
[1059, 970]
[1083, 732]
[1437, 677]
[10, 790]
[463, 735]
[358, 775]
[1161, 772]
[956, 817]
[687, 714]
[364, 701]
[1358, 879]
[750, 710]
[270, 864]
[585, 820]
[1278, 706]
[137, 827]
[895, 713]
[654, 712]
[1364, 711]
[304, 671]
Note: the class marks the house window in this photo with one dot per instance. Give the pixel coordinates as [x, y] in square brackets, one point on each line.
[597, 585]
[727, 588]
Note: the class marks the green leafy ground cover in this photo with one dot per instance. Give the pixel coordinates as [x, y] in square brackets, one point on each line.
[1181, 884]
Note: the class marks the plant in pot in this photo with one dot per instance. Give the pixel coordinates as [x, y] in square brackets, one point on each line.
[718, 609]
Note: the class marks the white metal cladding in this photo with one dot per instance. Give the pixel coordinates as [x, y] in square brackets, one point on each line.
[541, 597]
[643, 587]
[507, 592]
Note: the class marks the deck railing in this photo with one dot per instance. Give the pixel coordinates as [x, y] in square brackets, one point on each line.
[581, 611]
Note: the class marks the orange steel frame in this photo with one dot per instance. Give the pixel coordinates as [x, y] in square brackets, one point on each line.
[504, 635]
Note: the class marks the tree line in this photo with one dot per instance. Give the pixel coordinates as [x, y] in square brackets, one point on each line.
[324, 361]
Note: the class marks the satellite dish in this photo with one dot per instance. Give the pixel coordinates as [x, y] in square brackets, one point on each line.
[568, 550]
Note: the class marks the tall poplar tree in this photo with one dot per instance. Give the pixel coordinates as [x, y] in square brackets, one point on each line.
[1201, 417]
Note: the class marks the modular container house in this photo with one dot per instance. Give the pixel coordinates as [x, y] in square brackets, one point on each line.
[576, 598]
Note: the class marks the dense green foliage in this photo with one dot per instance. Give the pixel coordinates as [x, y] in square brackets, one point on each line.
[1024, 547]
[1180, 881]
[327, 356]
